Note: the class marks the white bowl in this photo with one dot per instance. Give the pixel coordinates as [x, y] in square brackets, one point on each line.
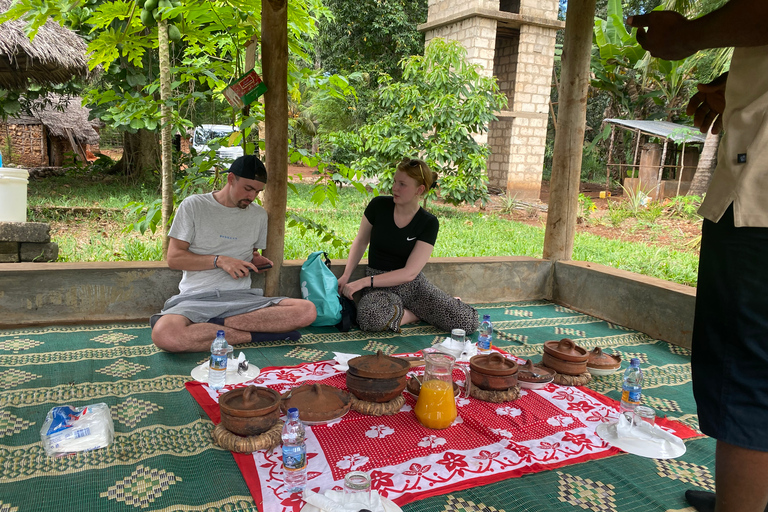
[601, 372]
[534, 385]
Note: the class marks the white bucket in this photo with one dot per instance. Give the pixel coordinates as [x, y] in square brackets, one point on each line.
[13, 194]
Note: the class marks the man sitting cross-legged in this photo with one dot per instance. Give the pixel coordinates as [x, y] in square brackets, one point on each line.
[215, 239]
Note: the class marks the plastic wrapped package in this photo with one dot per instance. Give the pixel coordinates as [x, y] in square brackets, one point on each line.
[70, 429]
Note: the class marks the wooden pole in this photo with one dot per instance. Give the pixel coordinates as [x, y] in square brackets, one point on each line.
[638, 136]
[682, 166]
[569, 139]
[274, 62]
[610, 161]
[166, 137]
[661, 169]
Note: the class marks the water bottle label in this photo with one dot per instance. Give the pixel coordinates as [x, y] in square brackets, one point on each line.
[294, 458]
[484, 342]
[218, 362]
[631, 397]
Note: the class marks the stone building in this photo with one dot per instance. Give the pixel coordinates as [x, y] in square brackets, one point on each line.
[513, 40]
[53, 134]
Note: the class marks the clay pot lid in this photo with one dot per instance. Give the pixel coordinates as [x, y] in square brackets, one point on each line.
[317, 402]
[249, 401]
[566, 350]
[493, 364]
[378, 366]
[528, 373]
[599, 359]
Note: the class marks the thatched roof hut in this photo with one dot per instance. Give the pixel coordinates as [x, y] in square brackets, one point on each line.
[55, 55]
[54, 127]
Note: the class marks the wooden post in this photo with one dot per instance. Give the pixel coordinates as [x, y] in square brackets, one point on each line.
[661, 169]
[610, 162]
[638, 136]
[569, 139]
[274, 62]
[682, 166]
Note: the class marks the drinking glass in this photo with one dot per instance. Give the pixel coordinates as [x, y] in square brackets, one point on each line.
[643, 413]
[358, 483]
[458, 335]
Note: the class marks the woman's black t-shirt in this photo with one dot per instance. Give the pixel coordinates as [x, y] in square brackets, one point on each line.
[390, 245]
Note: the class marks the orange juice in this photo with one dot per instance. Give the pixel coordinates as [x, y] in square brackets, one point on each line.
[436, 406]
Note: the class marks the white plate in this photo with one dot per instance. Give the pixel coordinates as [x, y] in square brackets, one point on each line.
[389, 506]
[601, 372]
[533, 385]
[200, 374]
[651, 450]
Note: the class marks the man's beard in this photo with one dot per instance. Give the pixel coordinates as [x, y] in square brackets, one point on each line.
[243, 204]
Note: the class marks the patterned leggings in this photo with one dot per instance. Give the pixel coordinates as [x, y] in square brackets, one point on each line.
[380, 309]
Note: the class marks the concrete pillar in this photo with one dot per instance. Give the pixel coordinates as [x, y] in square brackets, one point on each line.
[513, 40]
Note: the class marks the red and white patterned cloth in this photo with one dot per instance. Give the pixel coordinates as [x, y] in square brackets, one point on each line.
[542, 430]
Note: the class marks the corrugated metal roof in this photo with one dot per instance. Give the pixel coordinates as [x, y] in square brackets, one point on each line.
[677, 132]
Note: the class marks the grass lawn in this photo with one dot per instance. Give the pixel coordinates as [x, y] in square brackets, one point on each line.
[97, 234]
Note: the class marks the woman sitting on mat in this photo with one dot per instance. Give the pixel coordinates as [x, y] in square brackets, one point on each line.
[401, 236]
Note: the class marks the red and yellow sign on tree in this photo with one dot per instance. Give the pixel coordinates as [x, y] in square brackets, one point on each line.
[246, 90]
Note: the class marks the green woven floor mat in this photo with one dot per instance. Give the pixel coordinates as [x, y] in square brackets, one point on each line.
[163, 458]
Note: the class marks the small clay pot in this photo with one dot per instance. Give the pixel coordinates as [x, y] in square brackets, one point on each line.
[317, 402]
[378, 366]
[566, 367]
[375, 390]
[249, 411]
[493, 372]
[602, 361]
[566, 350]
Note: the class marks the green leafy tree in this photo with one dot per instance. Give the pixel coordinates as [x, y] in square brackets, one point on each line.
[441, 101]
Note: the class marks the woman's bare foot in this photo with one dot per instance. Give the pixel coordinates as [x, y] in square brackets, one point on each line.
[408, 318]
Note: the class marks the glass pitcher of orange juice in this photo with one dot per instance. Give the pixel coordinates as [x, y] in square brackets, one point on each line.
[436, 405]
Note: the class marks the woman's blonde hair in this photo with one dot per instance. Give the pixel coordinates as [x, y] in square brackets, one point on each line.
[419, 171]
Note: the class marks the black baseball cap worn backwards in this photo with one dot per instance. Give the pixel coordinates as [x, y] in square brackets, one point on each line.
[249, 167]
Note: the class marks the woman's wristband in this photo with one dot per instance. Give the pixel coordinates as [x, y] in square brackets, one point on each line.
[215, 261]
[371, 281]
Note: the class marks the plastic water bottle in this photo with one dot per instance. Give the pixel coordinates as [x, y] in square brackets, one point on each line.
[485, 338]
[294, 453]
[217, 368]
[631, 389]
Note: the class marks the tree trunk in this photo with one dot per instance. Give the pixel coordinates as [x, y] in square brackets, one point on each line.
[165, 131]
[141, 155]
[706, 166]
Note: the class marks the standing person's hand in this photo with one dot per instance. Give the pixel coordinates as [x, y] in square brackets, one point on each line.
[342, 281]
[664, 34]
[708, 105]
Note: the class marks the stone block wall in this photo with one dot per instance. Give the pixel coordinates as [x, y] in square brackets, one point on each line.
[26, 242]
[546, 9]
[439, 9]
[27, 145]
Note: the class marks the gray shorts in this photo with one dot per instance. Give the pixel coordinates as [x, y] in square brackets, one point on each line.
[202, 306]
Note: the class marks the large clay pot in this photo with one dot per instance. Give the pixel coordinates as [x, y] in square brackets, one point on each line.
[249, 411]
[493, 372]
[566, 350]
[375, 390]
[566, 367]
[378, 366]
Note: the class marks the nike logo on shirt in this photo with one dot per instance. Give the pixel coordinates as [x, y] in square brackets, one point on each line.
[410, 239]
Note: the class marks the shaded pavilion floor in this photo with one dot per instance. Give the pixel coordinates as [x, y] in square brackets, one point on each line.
[163, 459]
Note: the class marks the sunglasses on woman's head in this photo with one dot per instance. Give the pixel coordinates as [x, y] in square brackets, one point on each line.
[416, 163]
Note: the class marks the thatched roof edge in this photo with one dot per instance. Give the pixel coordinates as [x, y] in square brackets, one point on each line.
[54, 56]
[73, 117]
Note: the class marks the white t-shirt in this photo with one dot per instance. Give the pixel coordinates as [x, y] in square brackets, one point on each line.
[212, 228]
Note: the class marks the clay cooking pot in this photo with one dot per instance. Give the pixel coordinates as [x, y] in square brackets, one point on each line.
[561, 366]
[378, 366]
[249, 411]
[493, 372]
[528, 373]
[375, 390]
[602, 361]
[566, 350]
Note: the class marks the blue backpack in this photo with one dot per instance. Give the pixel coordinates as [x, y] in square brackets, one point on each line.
[320, 286]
